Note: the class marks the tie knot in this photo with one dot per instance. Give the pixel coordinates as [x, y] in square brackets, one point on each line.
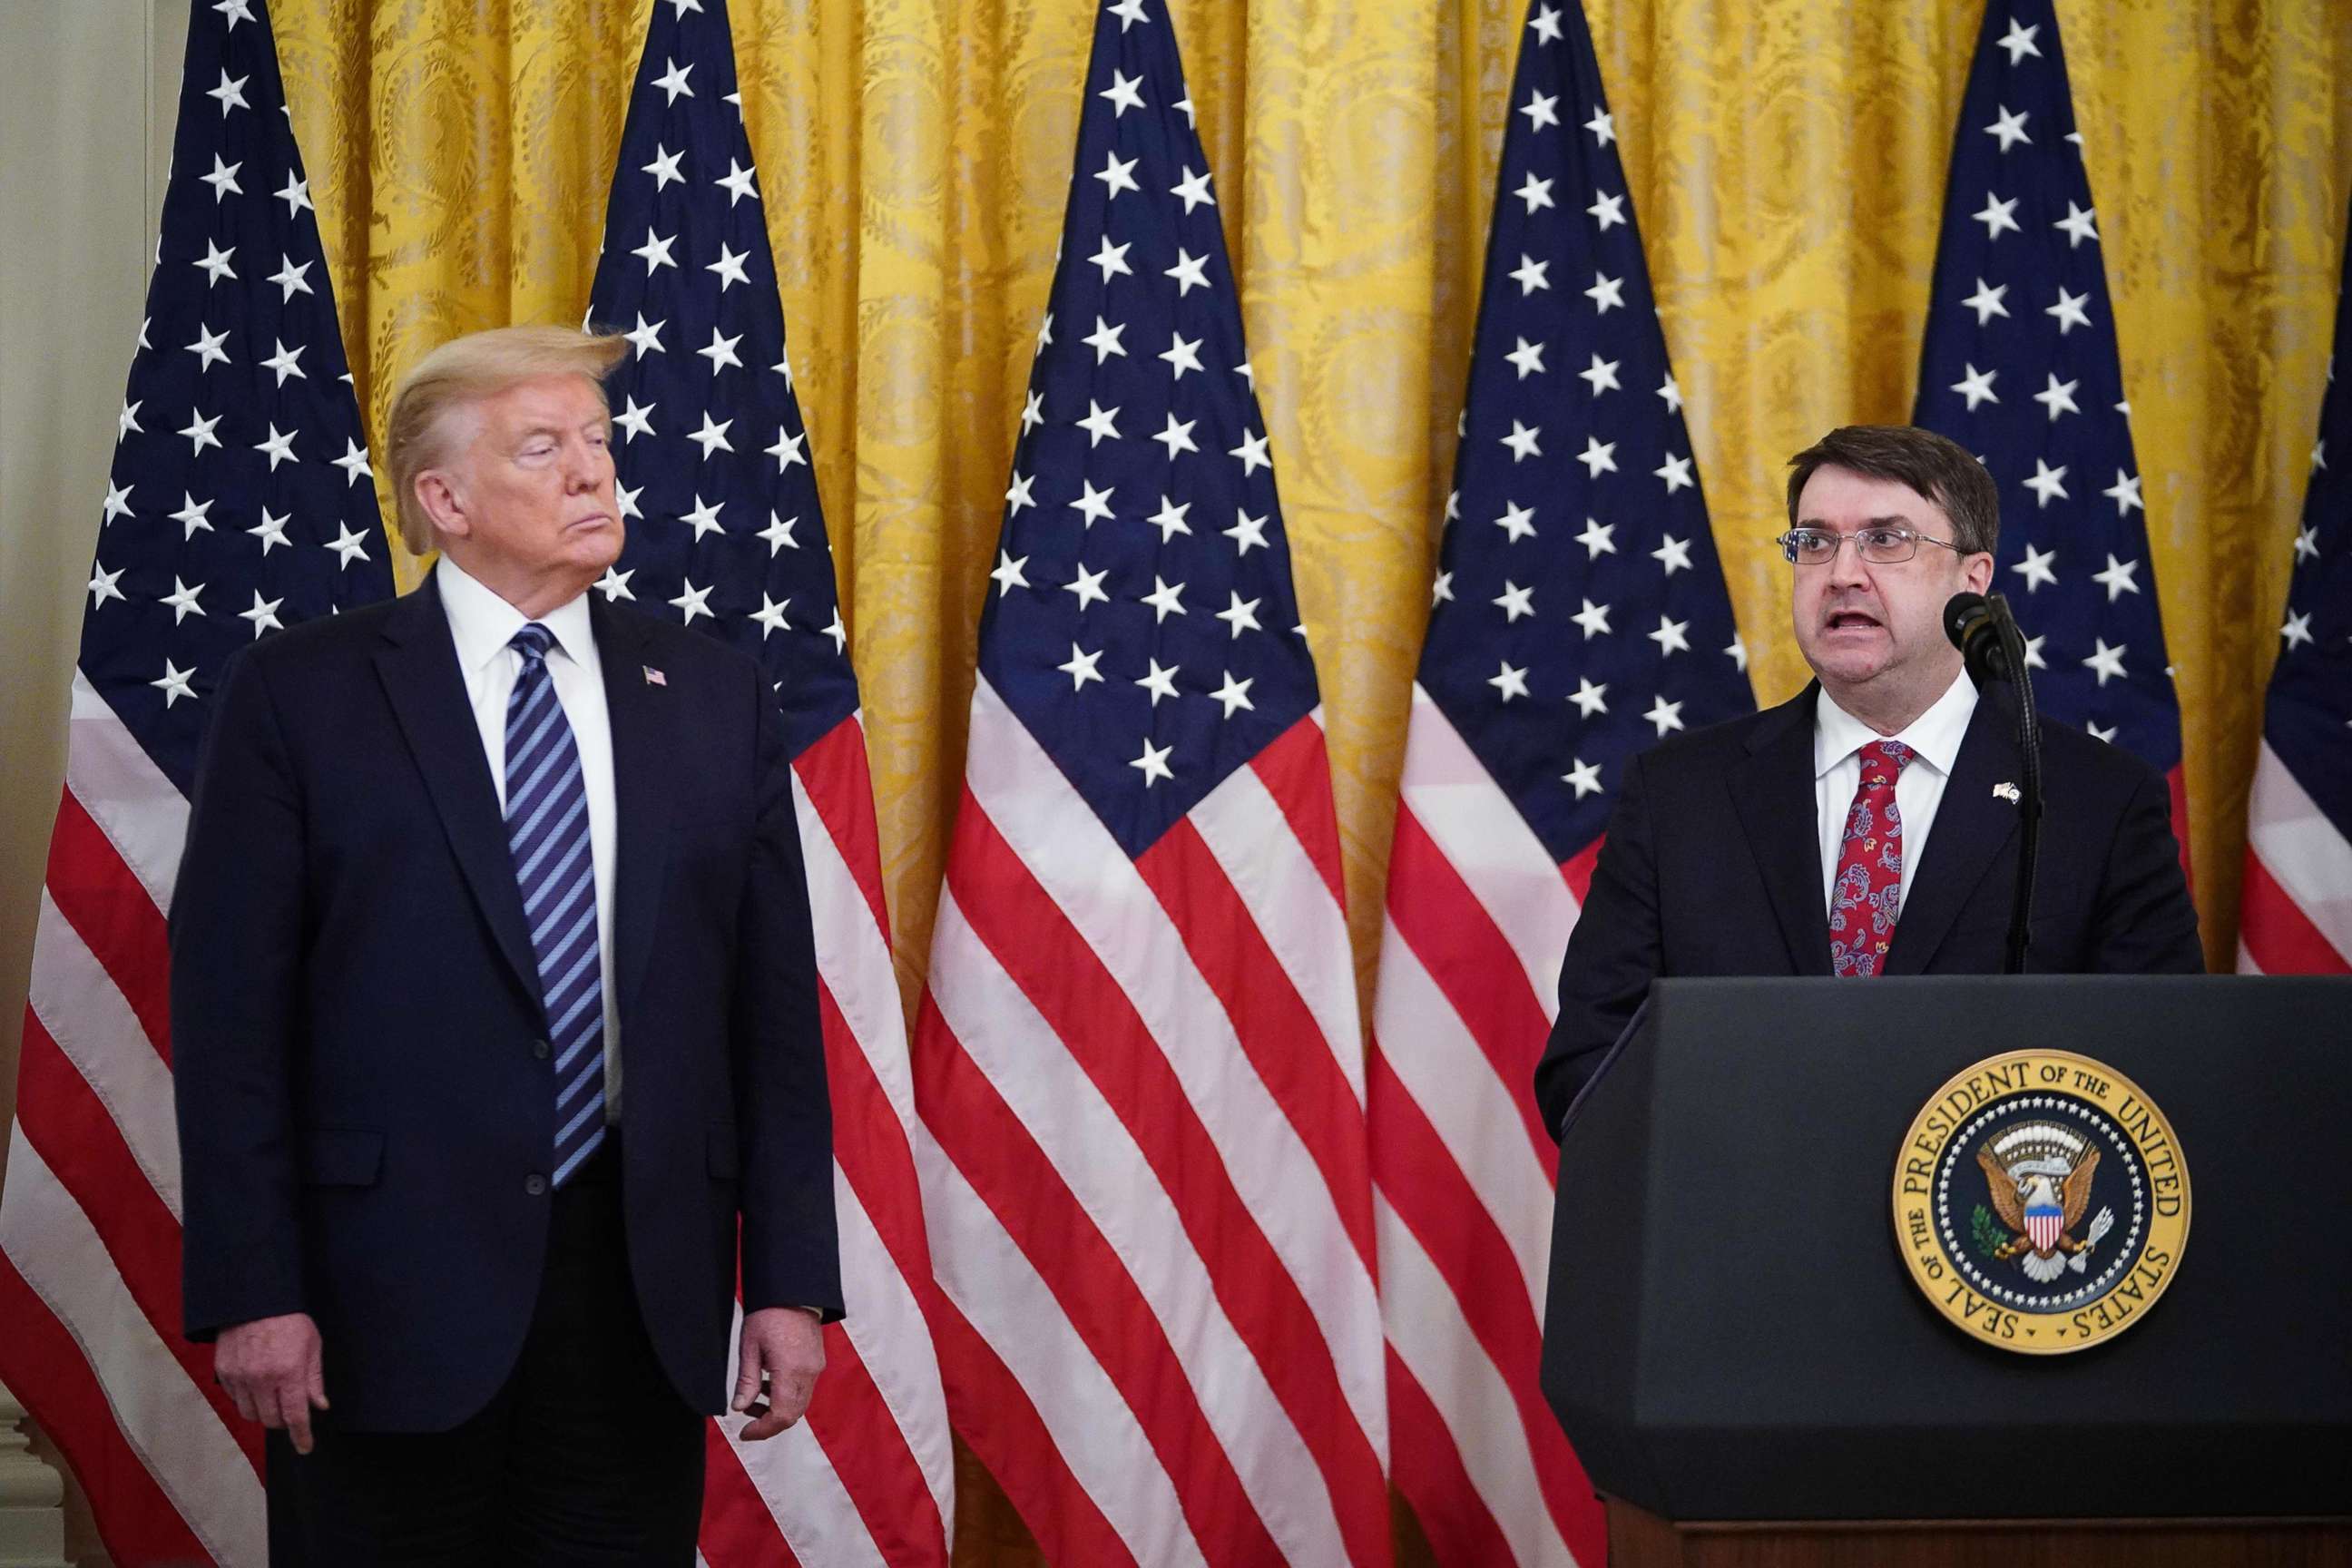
[533, 642]
[1884, 760]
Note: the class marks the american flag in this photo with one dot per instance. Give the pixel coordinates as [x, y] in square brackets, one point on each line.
[1579, 616]
[725, 533]
[2020, 366]
[240, 500]
[1138, 1062]
[2296, 917]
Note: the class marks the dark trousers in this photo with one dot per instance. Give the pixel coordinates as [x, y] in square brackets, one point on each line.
[588, 1456]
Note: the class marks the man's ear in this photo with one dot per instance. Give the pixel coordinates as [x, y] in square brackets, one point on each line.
[436, 491]
[1978, 574]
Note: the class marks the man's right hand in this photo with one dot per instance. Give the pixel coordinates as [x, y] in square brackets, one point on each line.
[271, 1368]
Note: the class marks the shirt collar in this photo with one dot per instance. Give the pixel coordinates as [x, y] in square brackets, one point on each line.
[483, 624]
[1935, 736]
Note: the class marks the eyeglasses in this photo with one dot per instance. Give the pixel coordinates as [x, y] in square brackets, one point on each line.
[1879, 546]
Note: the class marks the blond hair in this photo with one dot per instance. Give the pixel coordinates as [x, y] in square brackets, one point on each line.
[461, 373]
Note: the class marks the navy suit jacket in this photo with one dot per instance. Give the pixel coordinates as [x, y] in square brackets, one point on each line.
[363, 1101]
[1713, 866]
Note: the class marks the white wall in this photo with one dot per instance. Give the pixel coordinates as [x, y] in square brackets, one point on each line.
[88, 90]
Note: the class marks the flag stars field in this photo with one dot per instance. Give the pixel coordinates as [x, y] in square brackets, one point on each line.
[2020, 367]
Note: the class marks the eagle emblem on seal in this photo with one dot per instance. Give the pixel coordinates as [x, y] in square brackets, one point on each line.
[2039, 1174]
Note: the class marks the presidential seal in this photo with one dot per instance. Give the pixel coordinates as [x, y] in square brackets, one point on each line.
[2041, 1201]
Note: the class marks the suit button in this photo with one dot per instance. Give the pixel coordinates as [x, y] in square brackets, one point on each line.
[535, 1184]
[540, 1050]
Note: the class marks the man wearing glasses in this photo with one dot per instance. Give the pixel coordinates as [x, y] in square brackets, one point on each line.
[1796, 841]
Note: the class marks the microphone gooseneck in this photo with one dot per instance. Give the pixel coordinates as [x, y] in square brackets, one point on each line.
[1993, 648]
[2029, 805]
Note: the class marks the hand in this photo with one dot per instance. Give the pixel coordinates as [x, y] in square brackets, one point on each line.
[271, 1368]
[785, 1347]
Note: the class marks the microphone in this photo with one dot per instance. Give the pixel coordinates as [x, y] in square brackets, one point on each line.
[1986, 632]
[1973, 623]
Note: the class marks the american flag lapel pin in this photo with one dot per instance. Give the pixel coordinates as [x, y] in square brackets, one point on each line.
[655, 677]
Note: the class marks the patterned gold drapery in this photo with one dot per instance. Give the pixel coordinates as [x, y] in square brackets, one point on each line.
[1786, 159]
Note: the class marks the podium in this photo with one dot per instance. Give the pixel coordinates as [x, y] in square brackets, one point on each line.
[1749, 1376]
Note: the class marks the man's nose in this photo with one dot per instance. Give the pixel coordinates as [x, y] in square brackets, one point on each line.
[583, 467]
[1847, 568]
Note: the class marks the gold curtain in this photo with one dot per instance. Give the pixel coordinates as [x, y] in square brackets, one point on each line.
[1786, 160]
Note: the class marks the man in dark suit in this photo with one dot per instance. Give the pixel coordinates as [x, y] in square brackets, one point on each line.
[454, 863]
[1868, 826]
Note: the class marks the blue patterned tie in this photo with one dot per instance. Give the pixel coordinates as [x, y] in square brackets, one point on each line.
[547, 830]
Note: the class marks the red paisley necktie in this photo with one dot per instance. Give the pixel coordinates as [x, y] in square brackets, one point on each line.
[1869, 888]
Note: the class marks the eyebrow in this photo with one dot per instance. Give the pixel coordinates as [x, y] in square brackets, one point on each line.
[602, 422]
[1896, 520]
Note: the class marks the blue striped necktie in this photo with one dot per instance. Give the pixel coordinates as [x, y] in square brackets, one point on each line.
[547, 831]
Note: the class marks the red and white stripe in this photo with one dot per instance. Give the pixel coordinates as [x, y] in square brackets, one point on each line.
[869, 1476]
[90, 1236]
[1143, 1164]
[2294, 916]
[90, 1216]
[1477, 917]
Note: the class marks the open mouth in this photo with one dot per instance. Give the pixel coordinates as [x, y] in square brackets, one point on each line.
[1853, 621]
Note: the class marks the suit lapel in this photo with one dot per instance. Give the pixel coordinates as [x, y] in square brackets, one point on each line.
[1772, 789]
[1971, 827]
[418, 666]
[645, 744]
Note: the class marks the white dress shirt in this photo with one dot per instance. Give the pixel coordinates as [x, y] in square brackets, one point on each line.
[484, 625]
[1935, 739]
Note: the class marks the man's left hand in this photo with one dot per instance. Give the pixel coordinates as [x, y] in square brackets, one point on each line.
[784, 1346]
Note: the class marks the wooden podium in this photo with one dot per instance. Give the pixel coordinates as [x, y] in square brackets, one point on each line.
[1749, 1377]
[1638, 1539]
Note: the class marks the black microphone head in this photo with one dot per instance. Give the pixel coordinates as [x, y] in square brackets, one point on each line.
[1962, 614]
